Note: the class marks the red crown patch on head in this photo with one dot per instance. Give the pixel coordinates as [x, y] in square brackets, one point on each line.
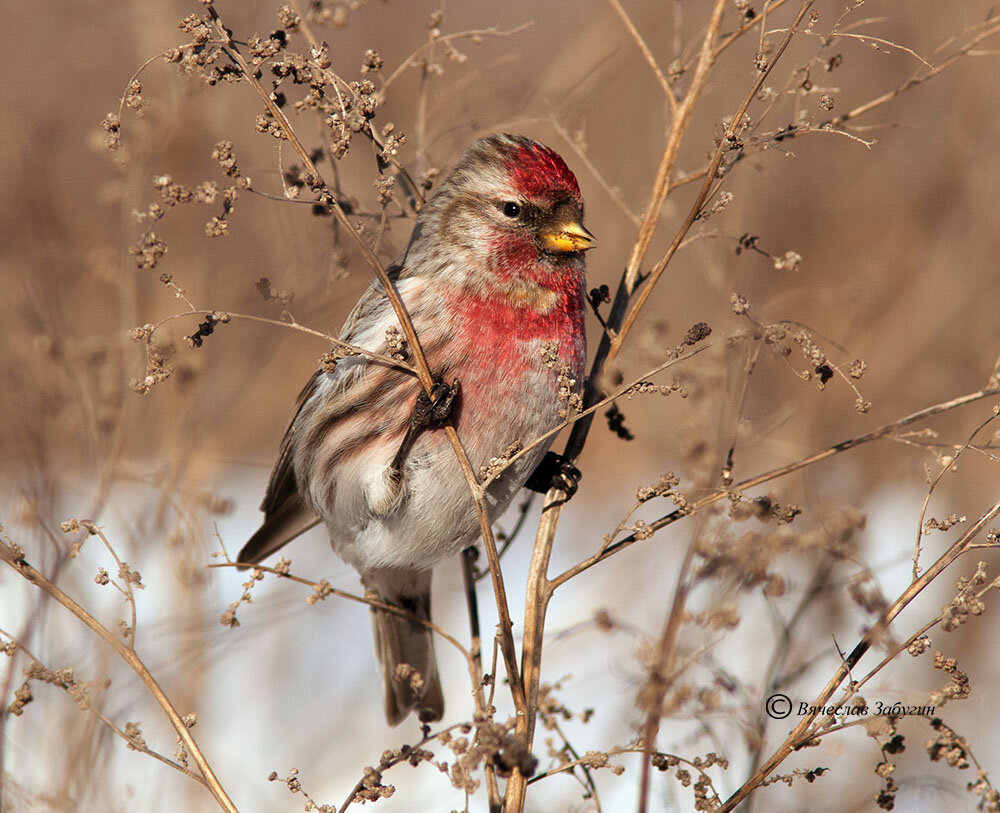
[539, 172]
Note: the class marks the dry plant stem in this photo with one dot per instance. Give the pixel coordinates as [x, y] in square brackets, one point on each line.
[475, 661]
[804, 731]
[409, 62]
[647, 54]
[683, 112]
[314, 41]
[500, 595]
[757, 20]
[469, 582]
[929, 719]
[127, 591]
[35, 614]
[904, 645]
[538, 593]
[933, 484]
[420, 361]
[611, 752]
[587, 782]
[678, 127]
[614, 335]
[109, 723]
[729, 138]
[867, 107]
[293, 325]
[870, 40]
[773, 474]
[584, 417]
[661, 674]
[512, 536]
[536, 602]
[391, 293]
[391, 763]
[593, 393]
[21, 566]
[779, 657]
[371, 602]
[612, 192]
[917, 79]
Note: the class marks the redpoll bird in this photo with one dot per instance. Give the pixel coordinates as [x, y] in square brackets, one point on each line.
[493, 279]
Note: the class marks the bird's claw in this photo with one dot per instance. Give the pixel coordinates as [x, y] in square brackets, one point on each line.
[554, 471]
[443, 397]
[434, 411]
[429, 412]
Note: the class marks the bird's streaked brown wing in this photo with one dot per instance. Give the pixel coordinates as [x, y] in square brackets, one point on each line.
[285, 513]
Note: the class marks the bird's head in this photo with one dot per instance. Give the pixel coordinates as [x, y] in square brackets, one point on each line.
[511, 206]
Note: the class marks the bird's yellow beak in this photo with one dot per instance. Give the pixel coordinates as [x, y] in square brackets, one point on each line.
[568, 237]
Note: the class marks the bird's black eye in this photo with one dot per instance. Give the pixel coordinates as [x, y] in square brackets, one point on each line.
[511, 209]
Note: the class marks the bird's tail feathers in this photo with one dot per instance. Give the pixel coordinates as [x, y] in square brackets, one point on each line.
[405, 647]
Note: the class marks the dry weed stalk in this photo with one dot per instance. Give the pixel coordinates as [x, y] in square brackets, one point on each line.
[12, 555]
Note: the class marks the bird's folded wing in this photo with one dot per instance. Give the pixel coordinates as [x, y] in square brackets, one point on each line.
[285, 513]
[293, 517]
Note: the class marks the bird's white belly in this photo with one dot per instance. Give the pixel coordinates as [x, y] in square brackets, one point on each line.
[434, 515]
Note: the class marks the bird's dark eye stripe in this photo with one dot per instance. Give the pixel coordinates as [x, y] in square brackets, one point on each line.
[511, 208]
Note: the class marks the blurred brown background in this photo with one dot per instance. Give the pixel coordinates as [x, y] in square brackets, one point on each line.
[899, 244]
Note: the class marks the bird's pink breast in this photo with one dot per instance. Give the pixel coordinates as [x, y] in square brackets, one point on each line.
[495, 344]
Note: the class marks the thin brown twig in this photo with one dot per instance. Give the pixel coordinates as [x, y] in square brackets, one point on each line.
[646, 53]
[293, 325]
[325, 588]
[805, 729]
[588, 783]
[509, 538]
[758, 19]
[901, 647]
[917, 78]
[476, 666]
[273, 108]
[865, 38]
[728, 141]
[661, 673]
[583, 414]
[401, 755]
[678, 128]
[613, 192]
[773, 677]
[14, 558]
[142, 748]
[945, 468]
[128, 591]
[537, 594]
[611, 752]
[876, 434]
[338, 82]
[493, 31]
[832, 126]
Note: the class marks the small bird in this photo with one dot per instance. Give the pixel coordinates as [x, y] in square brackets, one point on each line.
[493, 280]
